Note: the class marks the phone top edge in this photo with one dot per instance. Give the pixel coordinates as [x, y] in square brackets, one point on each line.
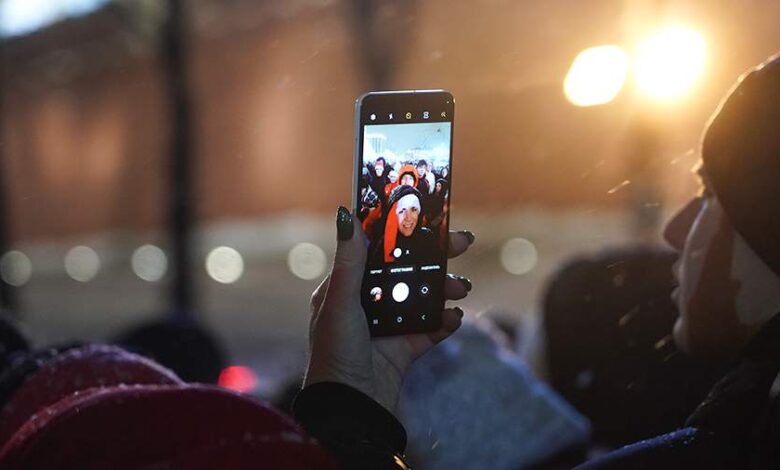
[402, 92]
[390, 92]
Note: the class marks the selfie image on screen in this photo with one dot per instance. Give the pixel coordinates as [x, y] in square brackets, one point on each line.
[403, 207]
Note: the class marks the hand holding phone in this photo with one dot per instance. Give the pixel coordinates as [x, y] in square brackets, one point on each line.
[341, 347]
[394, 200]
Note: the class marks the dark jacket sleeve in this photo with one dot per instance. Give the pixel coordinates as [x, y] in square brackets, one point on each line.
[685, 448]
[358, 431]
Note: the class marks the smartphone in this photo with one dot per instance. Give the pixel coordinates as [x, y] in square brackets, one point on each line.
[402, 191]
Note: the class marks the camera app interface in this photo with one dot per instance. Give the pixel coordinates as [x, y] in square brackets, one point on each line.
[403, 206]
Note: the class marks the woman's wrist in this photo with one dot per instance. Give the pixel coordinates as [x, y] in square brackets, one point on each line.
[317, 374]
[384, 386]
[387, 383]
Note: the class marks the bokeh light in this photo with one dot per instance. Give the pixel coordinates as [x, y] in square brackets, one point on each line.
[238, 378]
[596, 76]
[149, 263]
[669, 62]
[15, 268]
[518, 256]
[306, 261]
[225, 265]
[82, 263]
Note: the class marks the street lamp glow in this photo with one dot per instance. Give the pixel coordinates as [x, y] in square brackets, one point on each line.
[669, 62]
[15, 268]
[596, 76]
[518, 256]
[82, 263]
[225, 264]
[149, 263]
[307, 261]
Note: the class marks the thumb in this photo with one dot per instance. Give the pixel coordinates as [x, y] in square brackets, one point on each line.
[350, 259]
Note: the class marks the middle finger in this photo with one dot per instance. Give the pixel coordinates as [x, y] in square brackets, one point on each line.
[456, 287]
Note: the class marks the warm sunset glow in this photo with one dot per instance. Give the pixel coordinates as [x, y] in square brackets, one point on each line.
[669, 62]
[596, 76]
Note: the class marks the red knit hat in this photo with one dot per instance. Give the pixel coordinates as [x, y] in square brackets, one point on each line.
[78, 369]
[162, 426]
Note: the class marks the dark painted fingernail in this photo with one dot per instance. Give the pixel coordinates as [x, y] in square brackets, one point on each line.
[459, 311]
[344, 226]
[463, 280]
[469, 235]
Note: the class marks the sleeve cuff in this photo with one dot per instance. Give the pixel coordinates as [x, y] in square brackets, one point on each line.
[333, 411]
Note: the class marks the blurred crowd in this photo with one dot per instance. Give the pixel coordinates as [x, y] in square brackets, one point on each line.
[379, 178]
[614, 377]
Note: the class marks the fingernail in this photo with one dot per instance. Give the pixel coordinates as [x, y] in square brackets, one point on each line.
[469, 235]
[459, 311]
[463, 280]
[344, 226]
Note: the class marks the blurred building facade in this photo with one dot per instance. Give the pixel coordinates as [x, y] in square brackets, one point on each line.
[85, 131]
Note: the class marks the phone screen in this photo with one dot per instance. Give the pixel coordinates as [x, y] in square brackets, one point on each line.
[403, 199]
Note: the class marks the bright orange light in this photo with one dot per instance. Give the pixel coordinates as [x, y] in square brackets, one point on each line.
[669, 62]
[239, 378]
[596, 76]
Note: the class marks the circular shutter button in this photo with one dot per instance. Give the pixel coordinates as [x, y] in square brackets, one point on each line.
[400, 292]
